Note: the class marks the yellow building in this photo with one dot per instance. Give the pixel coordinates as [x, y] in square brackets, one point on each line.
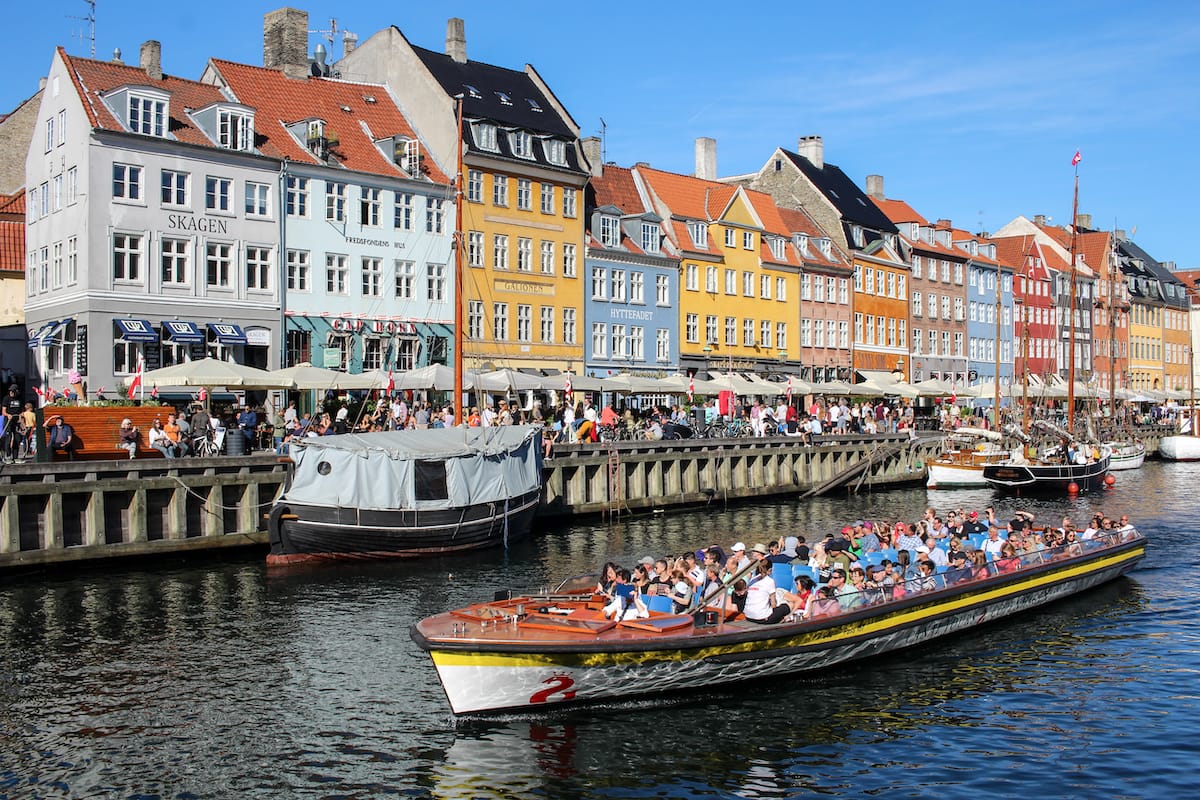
[739, 291]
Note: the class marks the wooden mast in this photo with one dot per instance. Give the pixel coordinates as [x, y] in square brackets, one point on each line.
[996, 380]
[1071, 310]
[459, 337]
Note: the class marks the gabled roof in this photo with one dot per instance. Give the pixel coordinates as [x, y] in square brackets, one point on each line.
[93, 78]
[899, 211]
[13, 203]
[684, 198]
[851, 202]
[12, 232]
[489, 82]
[798, 221]
[616, 187]
[359, 113]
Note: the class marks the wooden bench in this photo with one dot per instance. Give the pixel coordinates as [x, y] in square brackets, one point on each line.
[98, 430]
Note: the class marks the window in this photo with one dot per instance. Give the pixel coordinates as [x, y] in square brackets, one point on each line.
[524, 323]
[781, 335]
[547, 324]
[618, 285]
[831, 332]
[731, 331]
[219, 262]
[499, 251]
[945, 342]
[806, 286]
[818, 334]
[599, 283]
[147, 115]
[403, 212]
[44, 270]
[599, 340]
[127, 257]
[522, 144]
[62, 128]
[891, 285]
[710, 279]
[806, 333]
[891, 332]
[556, 151]
[435, 282]
[524, 254]
[945, 306]
[610, 231]
[57, 184]
[72, 260]
[843, 291]
[569, 334]
[730, 237]
[916, 341]
[748, 332]
[662, 290]
[819, 288]
[781, 290]
[958, 308]
[474, 248]
[58, 265]
[844, 334]
[126, 185]
[916, 266]
[858, 327]
[699, 233]
[125, 356]
[50, 134]
[500, 321]
[764, 287]
[916, 304]
[870, 278]
[748, 240]
[901, 286]
[748, 284]
[637, 288]
[258, 268]
[474, 186]
[485, 136]
[369, 203]
[731, 281]
[474, 320]
[568, 202]
[958, 274]
[547, 198]
[958, 344]
[174, 261]
[637, 343]
[335, 201]
[945, 272]
[765, 333]
[174, 188]
[568, 250]
[692, 327]
[258, 197]
[235, 131]
[435, 215]
[296, 200]
[692, 277]
[524, 194]
[650, 237]
[298, 270]
[777, 248]
[500, 190]
[337, 274]
[72, 185]
[406, 276]
[620, 345]
[218, 194]
[547, 257]
[662, 344]
[372, 277]
[710, 329]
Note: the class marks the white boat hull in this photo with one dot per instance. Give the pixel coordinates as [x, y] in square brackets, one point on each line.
[1180, 448]
[955, 476]
[1126, 455]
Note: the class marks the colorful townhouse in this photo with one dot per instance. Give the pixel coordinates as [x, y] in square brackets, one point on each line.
[740, 272]
[522, 185]
[12, 289]
[153, 225]
[989, 311]
[1034, 327]
[367, 220]
[880, 292]
[631, 310]
[1159, 328]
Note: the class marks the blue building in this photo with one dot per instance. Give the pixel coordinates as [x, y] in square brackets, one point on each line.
[631, 313]
[989, 298]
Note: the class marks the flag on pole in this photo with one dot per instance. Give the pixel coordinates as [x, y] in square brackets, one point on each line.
[137, 377]
[567, 386]
[1076, 159]
[154, 392]
[41, 395]
[391, 383]
[203, 394]
[691, 387]
[788, 393]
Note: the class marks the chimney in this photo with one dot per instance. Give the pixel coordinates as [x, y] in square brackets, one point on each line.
[812, 148]
[943, 224]
[456, 40]
[349, 43]
[1039, 219]
[1083, 221]
[285, 41]
[116, 59]
[151, 59]
[706, 158]
[875, 187]
[592, 152]
[1170, 265]
[1119, 233]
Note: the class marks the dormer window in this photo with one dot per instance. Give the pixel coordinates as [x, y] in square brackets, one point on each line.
[777, 248]
[914, 231]
[699, 233]
[650, 237]
[316, 138]
[472, 92]
[556, 151]
[801, 240]
[235, 130]
[856, 235]
[485, 136]
[610, 230]
[521, 143]
[406, 154]
[504, 98]
[826, 247]
[145, 111]
[533, 105]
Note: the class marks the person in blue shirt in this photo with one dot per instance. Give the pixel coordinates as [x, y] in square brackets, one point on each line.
[247, 422]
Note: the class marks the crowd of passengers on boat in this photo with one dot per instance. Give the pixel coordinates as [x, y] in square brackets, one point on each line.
[867, 563]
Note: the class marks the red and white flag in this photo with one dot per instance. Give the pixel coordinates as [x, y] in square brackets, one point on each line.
[203, 394]
[788, 393]
[137, 377]
[1075, 159]
[41, 395]
[391, 383]
[567, 386]
[691, 387]
[154, 392]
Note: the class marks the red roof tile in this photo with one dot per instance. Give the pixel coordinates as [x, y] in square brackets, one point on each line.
[899, 211]
[13, 203]
[12, 246]
[616, 187]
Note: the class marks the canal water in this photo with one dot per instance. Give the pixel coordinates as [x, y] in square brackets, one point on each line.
[221, 679]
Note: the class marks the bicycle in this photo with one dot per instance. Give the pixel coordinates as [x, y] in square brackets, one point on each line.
[205, 446]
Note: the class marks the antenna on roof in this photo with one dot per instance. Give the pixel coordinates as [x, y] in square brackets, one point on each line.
[331, 36]
[603, 141]
[90, 19]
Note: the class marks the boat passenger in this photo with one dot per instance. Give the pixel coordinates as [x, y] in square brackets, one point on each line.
[1007, 561]
[825, 604]
[852, 593]
[937, 555]
[608, 579]
[762, 605]
[866, 539]
[775, 554]
[622, 596]
[713, 586]
[927, 580]
[958, 571]
[908, 539]
[799, 600]
[979, 565]
[873, 591]
[795, 549]
[693, 567]
[737, 559]
[635, 608]
[641, 578]
[737, 597]
[994, 543]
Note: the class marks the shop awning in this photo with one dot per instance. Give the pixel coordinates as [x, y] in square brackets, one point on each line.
[136, 330]
[227, 333]
[183, 332]
[45, 335]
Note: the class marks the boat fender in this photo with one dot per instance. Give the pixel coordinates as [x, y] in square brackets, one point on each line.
[275, 523]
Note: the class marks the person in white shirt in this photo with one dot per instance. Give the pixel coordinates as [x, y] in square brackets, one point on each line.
[994, 544]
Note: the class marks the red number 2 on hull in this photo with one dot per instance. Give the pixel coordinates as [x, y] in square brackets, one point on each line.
[556, 684]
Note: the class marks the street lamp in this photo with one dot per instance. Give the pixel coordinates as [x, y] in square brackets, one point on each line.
[898, 372]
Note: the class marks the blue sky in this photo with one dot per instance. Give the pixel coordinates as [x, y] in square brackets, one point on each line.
[971, 112]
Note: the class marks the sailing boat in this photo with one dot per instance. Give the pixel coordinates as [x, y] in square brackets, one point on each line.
[410, 493]
[1071, 466]
[1184, 446]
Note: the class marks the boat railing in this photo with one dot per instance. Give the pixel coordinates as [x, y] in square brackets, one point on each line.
[946, 578]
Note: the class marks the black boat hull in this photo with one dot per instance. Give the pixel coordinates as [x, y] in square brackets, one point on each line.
[301, 533]
[1046, 478]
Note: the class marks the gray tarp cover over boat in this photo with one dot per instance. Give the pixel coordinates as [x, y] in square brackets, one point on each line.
[402, 469]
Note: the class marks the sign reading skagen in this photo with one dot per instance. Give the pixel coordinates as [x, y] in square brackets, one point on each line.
[524, 287]
[186, 222]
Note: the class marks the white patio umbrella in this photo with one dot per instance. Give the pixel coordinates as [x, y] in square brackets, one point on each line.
[509, 380]
[629, 384]
[209, 372]
[678, 384]
[731, 381]
[437, 377]
[306, 376]
[799, 385]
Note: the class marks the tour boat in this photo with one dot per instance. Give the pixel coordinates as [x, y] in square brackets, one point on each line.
[406, 493]
[1125, 455]
[960, 464]
[532, 652]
